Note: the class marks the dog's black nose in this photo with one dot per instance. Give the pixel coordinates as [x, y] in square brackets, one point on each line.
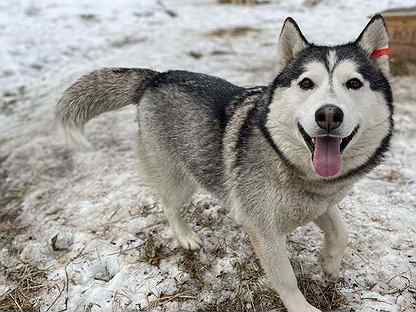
[329, 117]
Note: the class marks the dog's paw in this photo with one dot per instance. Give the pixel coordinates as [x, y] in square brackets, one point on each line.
[330, 268]
[189, 240]
[331, 277]
[331, 265]
[312, 309]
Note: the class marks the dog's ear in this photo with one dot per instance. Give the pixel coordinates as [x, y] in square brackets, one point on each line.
[374, 39]
[291, 42]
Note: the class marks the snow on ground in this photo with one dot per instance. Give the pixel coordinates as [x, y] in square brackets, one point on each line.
[87, 216]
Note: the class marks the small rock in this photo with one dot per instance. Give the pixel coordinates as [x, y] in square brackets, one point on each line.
[62, 241]
[195, 55]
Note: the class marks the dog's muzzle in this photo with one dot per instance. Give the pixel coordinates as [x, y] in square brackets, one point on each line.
[327, 149]
[329, 117]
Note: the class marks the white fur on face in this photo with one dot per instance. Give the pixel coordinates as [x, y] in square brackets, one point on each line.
[363, 107]
[330, 89]
[332, 60]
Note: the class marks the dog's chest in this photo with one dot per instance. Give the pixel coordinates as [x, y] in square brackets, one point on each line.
[297, 207]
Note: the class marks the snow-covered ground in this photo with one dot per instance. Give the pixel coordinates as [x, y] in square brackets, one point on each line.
[87, 216]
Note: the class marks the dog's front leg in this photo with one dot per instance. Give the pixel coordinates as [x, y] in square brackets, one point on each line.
[336, 239]
[271, 249]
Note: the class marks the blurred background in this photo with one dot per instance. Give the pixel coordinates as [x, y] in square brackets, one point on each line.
[40, 38]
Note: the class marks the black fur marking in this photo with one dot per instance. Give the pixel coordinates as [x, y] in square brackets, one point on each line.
[122, 70]
[262, 110]
[218, 92]
[372, 162]
[379, 83]
[147, 76]
[245, 98]
[351, 51]
[297, 66]
[248, 97]
[269, 139]
[244, 136]
[366, 67]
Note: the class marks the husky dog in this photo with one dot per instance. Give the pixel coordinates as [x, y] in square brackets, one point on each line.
[279, 156]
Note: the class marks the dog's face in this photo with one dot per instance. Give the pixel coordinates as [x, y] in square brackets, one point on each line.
[330, 111]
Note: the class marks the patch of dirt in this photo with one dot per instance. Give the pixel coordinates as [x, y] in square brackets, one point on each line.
[243, 2]
[252, 294]
[153, 250]
[10, 99]
[11, 198]
[126, 41]
[28, 282]
[238, 31]
[192, 264]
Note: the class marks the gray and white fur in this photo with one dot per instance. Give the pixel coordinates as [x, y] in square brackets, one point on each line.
[279, 156]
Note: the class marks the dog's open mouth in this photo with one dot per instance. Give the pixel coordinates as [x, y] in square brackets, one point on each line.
[327, 151]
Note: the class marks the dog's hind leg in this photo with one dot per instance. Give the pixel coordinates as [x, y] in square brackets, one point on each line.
[336, 239]
[175, 195]
[173, 187]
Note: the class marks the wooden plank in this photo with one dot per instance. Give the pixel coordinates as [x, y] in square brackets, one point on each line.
[401, 24]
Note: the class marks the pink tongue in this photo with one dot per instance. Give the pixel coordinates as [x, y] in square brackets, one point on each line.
[327, 156]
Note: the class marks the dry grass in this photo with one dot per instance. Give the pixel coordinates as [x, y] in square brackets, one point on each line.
[179, 296]
[153, 251]
[325, 296]
[245, 286]
[246, 2]
[28, 281]
[237, 31]
[252, 295]
[191, 263]
[311, 3]
[8, 232]
[11, 198]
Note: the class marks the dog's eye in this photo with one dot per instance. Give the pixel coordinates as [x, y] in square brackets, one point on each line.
[354, 84]
[306, 84]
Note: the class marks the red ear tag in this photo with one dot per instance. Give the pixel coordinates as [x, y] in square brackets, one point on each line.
[381, 52]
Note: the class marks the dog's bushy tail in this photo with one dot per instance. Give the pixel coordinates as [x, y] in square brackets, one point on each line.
[98, 92]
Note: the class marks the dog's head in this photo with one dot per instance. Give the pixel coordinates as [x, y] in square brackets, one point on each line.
[330, 108]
